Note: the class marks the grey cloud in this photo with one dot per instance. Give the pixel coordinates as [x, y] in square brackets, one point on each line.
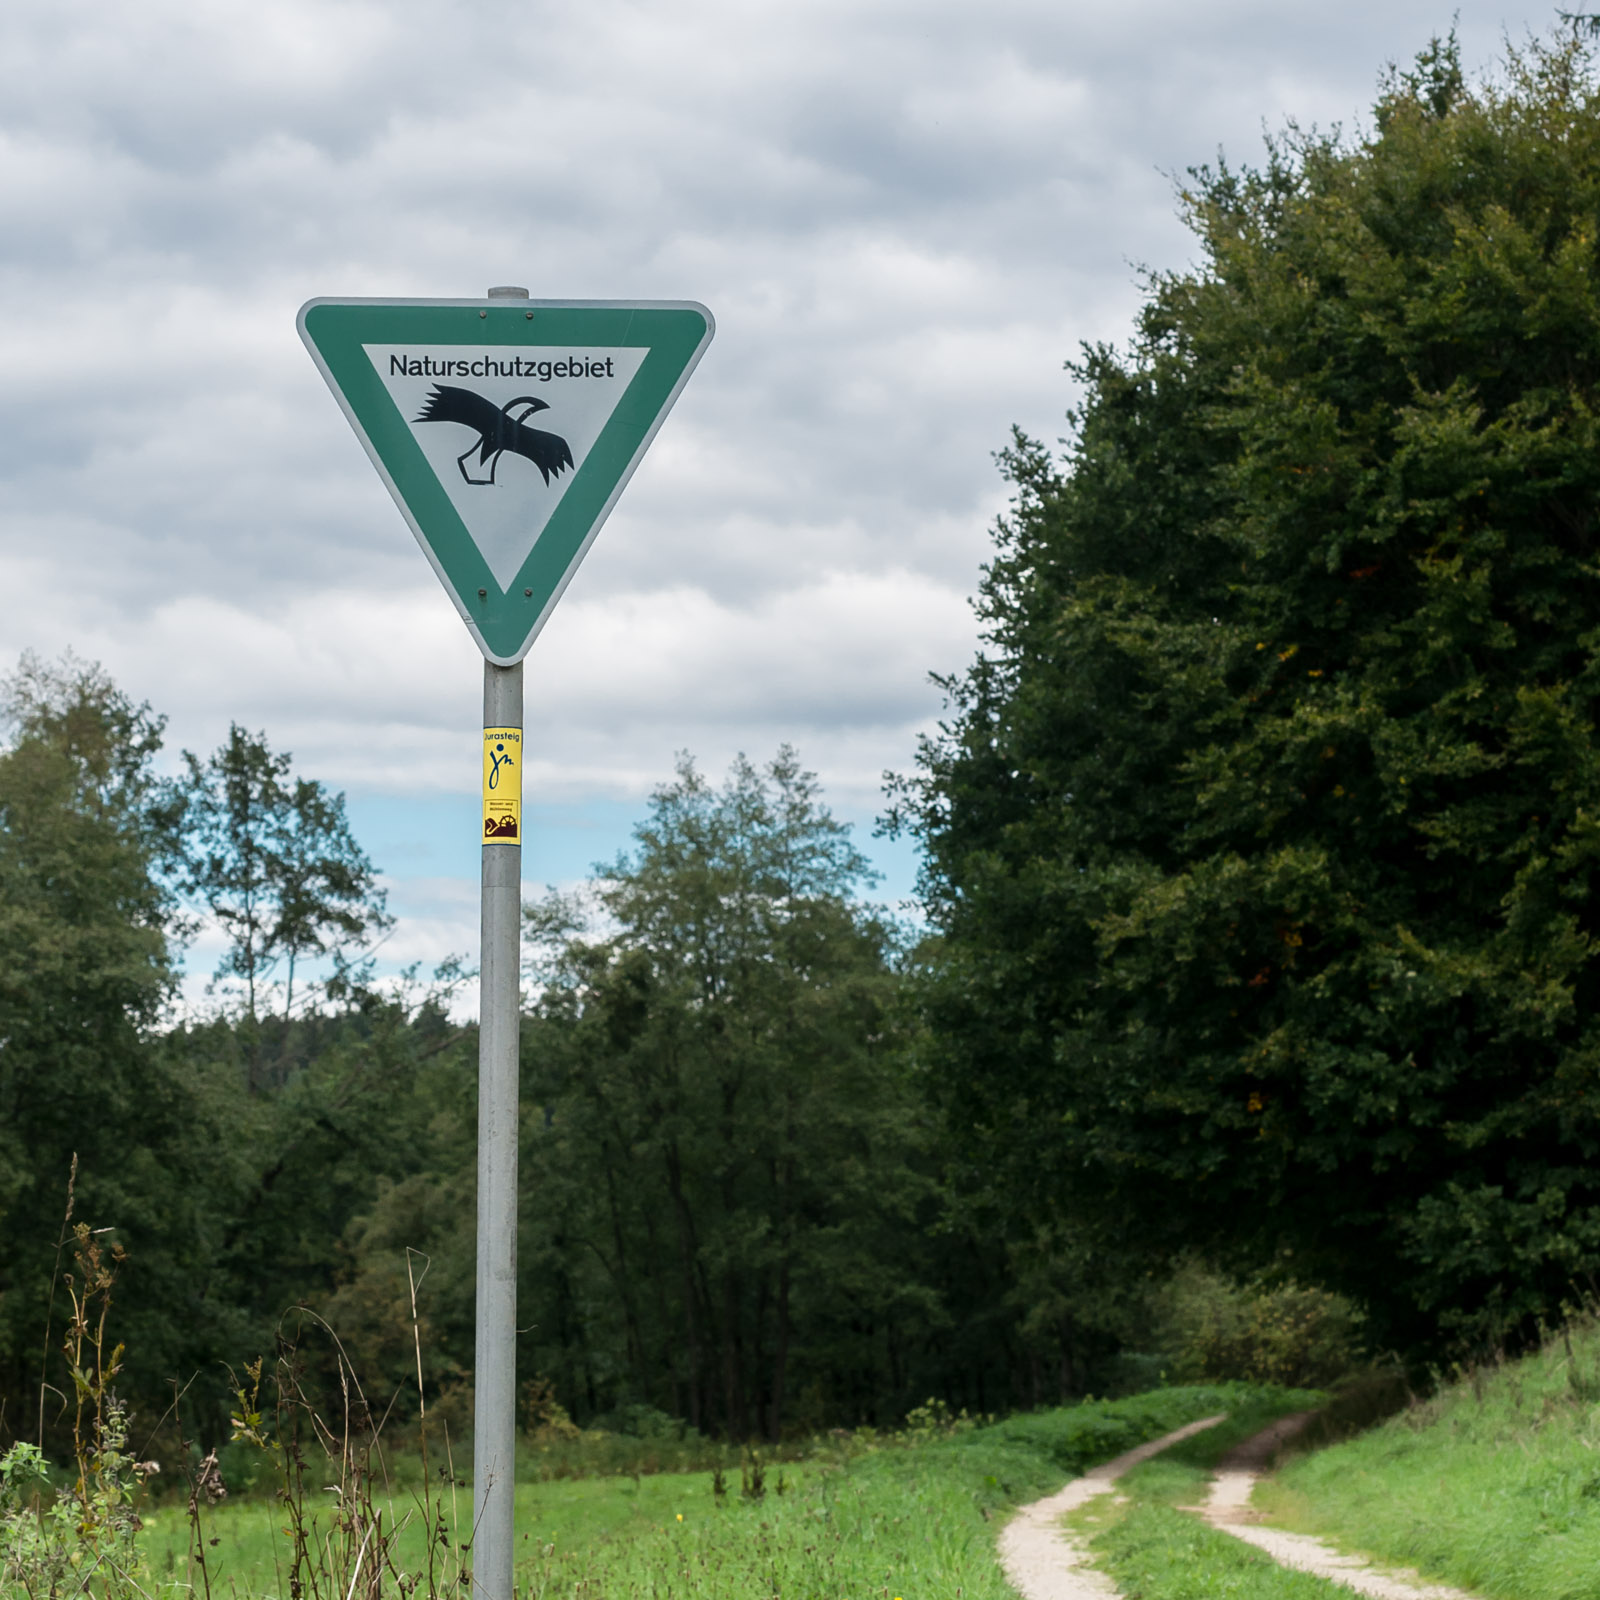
[905, 213]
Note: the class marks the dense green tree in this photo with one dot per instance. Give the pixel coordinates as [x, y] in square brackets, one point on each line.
[231, 1206]
[87, 847]
[362, 1149]
[733, 1192]
[716, 1098]
[1263, 835]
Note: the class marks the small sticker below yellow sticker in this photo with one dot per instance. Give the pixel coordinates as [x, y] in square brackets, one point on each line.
[502, 785]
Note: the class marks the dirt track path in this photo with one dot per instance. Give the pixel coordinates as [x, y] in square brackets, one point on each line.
[1228, 1509]
[1039, 1558]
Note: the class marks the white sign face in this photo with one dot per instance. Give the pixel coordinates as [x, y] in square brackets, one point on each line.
[505, 428]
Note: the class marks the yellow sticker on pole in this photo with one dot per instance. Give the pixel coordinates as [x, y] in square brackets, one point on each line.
[502, 785]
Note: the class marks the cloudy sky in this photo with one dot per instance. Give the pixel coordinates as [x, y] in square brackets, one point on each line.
[904, 214]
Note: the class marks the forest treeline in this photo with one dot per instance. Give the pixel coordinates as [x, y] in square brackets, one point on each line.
[1258, 933]
[736, 1204]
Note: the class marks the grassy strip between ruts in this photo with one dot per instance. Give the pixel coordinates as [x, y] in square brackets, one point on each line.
[911, 1520]
[1150, 1549]
[1492, 1485]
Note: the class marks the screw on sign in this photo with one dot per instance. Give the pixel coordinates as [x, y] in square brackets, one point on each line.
[504, 523]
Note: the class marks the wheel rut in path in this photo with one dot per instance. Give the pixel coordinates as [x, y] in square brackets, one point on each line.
[1041, 1561]
[1227, 1509]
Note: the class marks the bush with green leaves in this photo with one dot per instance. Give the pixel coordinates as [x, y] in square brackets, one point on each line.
[78, 1538]
[1289, 1334]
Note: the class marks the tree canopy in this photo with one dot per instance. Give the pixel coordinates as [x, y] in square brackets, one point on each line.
[1263, 834]
[727, 1169]
[733, 1189]
[87, 849]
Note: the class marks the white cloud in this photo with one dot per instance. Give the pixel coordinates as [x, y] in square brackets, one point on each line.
[905, 214]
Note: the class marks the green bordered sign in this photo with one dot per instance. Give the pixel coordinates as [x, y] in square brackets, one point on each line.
[505, 430]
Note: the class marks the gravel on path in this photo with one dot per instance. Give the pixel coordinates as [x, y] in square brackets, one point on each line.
[1227, 1509]
[1041, 1560]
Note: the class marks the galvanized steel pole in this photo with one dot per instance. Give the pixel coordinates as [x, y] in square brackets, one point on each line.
[494, 1429]
[494, 1435]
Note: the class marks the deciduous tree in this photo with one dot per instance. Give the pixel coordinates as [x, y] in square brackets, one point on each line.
[1264, 835]
[716, 1073]
[272, 858]
[86, 909]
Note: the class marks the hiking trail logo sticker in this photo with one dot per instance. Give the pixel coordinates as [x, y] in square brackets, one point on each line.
[505, 430]
[502, 785]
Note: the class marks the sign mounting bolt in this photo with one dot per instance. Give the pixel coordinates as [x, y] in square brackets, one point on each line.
[483, 594]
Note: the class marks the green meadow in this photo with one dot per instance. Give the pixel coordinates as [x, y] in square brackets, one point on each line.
[905, 1516]
[1493, 1484]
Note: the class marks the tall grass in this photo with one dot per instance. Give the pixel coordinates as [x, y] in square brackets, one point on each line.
[598, 1453]
[1492, 1484]
[909, 1513]
[78, 1536]
[911, 1517]
[912, 1514]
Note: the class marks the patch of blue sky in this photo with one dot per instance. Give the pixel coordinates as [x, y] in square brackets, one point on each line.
[428, 838]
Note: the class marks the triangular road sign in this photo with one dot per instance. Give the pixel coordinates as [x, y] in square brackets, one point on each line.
[505, 430]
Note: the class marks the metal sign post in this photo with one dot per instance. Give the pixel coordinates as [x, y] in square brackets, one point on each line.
[494, 1365]
[505, 429]
[494, 1419]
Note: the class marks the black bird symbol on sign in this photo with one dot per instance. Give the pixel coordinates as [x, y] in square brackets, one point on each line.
[498, 431]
